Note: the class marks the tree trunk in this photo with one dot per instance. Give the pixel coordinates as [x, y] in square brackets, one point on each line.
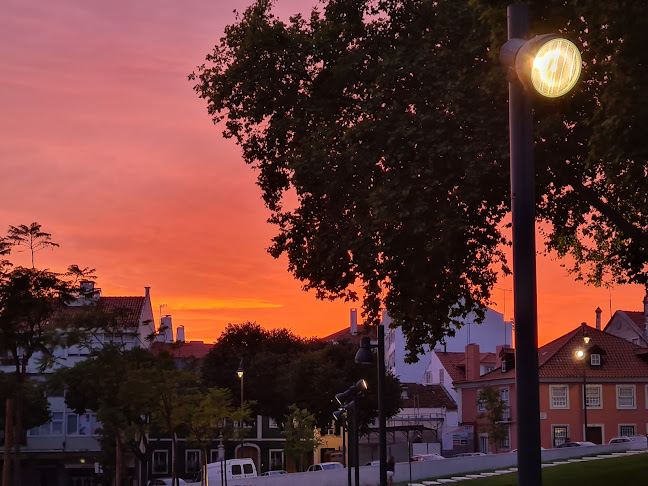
[18, 428]
[6, 466]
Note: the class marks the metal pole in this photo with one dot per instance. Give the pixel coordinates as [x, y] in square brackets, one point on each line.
[347, 456]
[382, 422]
[356, 447]
[585, 400]
[524, 265]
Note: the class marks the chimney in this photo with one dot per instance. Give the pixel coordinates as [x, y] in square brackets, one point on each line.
[147, 292]
[499, 352]
[166, 327]
[180, 334]
[87, 286]
[598, 318]
[354, 322]
[473, 359]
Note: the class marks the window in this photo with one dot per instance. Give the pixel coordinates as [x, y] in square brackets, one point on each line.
[213, 455]
[559, 434]
[428, 377]
[276, 459]
[236, 470]
[488, 369]
[559, 398]
[635, 340]
[627, 430]
[504, 366]
[160, 462]
[192, 461]
[595, 360]
[441, 376]
[593, 396]
[272, 423]
[53, 428]
[626, 396]
[481, 404]
[504, 395]
[85, 424]
[506, 443]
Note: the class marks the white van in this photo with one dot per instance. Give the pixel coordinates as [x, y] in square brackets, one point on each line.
[235, 470]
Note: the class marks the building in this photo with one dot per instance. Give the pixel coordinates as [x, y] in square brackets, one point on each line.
[64, 450]
[613, 371]
[629, 325]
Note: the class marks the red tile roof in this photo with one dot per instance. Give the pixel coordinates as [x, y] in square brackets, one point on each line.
[637, 318]
[455, 363]
[128, 309]
[620, 358]
[186, 349]
[427, 396]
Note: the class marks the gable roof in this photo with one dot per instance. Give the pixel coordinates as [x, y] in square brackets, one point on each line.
[636, 317]
[128, 310]
[427, 396]
[345, 334]
[556, 360]
[455, 363]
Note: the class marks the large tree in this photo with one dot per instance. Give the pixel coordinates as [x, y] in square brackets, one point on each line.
[281, 369]
[386, 123]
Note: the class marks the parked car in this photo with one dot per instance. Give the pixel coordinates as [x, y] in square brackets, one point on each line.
[165, 482]
[373, 463]
[274, 473]
[576, 444]
[470, 454]
[427, 457]
[616, 440]
[325, 466]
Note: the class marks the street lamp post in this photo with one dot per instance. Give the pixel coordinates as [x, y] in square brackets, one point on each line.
[548, 66]
[581, 355]
[364, 356]
[240, 373]
[347, 404]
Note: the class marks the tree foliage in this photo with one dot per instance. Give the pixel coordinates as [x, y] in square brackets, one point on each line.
[386, 122]
[32, 237]
[301, 436]
[495, 407]
[282, 369]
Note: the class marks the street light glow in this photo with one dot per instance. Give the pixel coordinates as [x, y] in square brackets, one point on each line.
[556, 67]
[580, 354]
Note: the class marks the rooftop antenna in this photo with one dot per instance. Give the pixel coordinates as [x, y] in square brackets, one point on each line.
[162, 306]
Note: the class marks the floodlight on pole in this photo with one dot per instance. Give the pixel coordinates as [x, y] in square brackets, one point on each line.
[549, 66]
[365, 356]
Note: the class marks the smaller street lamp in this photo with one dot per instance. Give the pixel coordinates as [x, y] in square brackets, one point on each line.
[240, 372]
[581, 355]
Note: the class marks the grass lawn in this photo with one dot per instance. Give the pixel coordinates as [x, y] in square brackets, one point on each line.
[628, 471]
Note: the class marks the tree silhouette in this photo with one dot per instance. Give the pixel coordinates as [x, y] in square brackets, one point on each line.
[31, 237]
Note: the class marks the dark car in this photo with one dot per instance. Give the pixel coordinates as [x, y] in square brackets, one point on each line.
[576, 444]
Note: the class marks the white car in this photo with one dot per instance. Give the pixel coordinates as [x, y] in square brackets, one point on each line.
[325, 466]
[427, 457]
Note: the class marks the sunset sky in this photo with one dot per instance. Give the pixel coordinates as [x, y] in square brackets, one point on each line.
[104, 142]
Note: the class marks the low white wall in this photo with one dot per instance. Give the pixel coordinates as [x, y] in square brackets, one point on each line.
[369, 475]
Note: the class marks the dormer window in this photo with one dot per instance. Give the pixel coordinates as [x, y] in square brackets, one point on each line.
[404, 391]
[595, 359]
[503, 366]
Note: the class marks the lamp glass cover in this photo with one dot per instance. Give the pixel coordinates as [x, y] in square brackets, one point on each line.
[556, 68]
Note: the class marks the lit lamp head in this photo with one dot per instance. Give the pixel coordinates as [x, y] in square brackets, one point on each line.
[580, 354]
[547, 64]
[239, 372]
